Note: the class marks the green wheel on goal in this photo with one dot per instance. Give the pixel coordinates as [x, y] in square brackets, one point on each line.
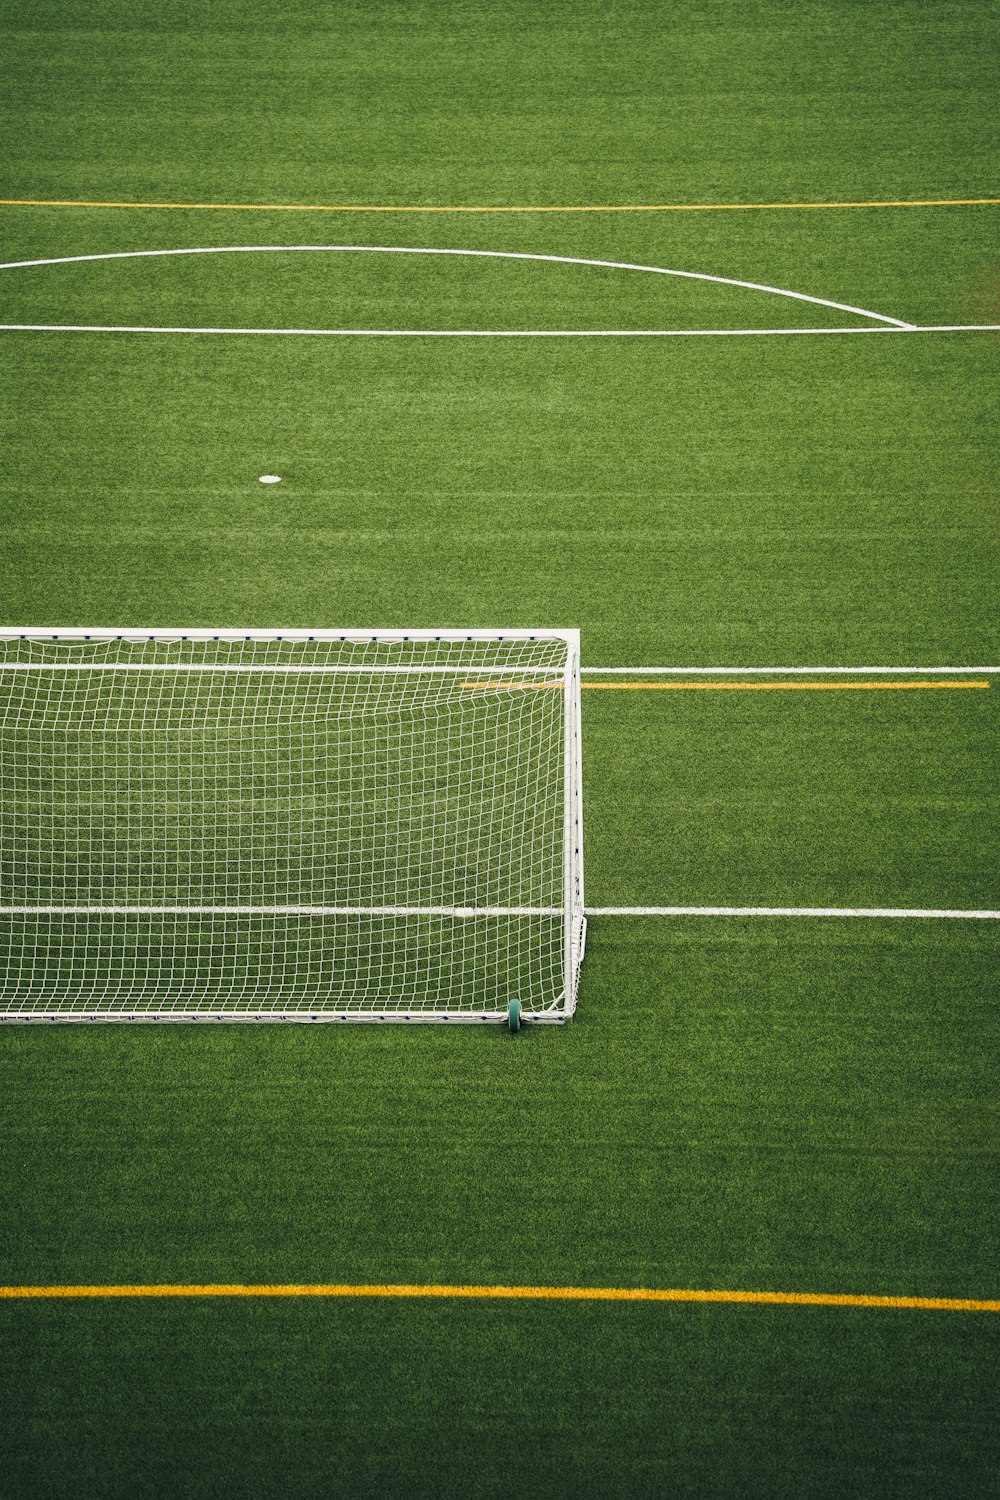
[514, 1015]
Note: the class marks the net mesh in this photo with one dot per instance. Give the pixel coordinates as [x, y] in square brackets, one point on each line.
[282, 827]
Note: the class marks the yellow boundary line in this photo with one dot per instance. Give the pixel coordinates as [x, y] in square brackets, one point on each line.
[531, 208]
[731, 687]
[510, 1293]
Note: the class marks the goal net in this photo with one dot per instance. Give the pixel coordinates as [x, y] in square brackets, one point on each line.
[300, 826]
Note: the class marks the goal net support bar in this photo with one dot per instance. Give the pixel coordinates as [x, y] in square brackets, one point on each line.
[289, 825]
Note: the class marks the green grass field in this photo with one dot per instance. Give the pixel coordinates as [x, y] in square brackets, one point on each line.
[765, 1104]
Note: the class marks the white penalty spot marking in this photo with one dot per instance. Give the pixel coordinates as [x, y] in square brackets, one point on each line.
[270, 479]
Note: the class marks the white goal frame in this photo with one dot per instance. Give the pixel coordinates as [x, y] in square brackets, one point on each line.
[571, 912]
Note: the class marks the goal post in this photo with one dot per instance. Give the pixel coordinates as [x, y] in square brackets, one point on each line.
[252, 825]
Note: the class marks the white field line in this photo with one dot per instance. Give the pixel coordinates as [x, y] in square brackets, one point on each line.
[565, 260]
[778, 671]
[493, 333]
[787, 911]
[467, 912]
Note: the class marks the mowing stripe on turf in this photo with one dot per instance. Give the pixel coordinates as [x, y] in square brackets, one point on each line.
[497, 208]
[513, 1293]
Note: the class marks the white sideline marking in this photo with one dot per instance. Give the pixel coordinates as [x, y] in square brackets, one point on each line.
[493, 911]
[493, 333]
[565, 260]
[956, 327]
[784, 911]
[776, 671]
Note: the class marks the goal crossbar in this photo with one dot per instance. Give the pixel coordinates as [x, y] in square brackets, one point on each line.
[263, 669]
[286, 911]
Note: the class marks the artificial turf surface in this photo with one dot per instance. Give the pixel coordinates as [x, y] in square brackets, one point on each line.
[781, 1105]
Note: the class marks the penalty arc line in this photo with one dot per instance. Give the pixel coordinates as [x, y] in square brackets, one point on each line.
[511, 1293]
[518, 255]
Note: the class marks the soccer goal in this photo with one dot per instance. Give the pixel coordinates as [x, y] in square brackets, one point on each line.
[299, 825]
